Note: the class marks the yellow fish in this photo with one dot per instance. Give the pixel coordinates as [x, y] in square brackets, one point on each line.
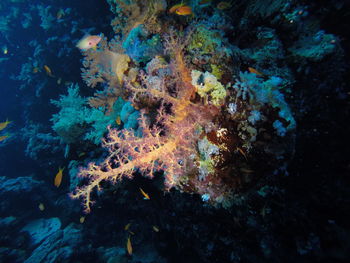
[4, 137]
[82, 219]
[128, 246]
[48, 71]
[58, 177]
[4, 124]
[41, 207]
[5, 50]
[126, 228]
[118, 121]
[145, 195]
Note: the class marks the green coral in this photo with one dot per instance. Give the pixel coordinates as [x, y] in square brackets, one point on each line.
[204, 40]
[217, 71]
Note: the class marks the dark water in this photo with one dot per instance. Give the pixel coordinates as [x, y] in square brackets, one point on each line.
[260, 176]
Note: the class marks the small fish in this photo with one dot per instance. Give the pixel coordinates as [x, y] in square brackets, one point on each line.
[203, 2]
[246, 170]
[5, 50]
[223, 5]
[41, 207]
[173, 8]
[242, 152]
[118, 121]
[128, 246]
[60, 13]
[4, 137]
[48, 71]
[35, 70]
[126, 228]
[58, 177]
[59, 81]
[81, 154]
[88, 42]
[253, 70]
[184, 11]
[4, 124]
[155, 229]
[145, 195]
[82, 219]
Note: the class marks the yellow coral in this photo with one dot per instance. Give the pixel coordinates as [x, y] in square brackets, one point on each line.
[208, 85]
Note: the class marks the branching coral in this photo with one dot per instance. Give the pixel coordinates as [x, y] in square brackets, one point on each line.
[168, 143]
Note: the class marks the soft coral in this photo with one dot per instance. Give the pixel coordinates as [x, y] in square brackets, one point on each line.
[168, 143]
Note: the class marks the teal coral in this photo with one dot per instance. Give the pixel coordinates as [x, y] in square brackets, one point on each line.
[266, 92]
[76, 121]
[140, 47]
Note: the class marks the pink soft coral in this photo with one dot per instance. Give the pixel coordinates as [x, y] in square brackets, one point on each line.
[168, 143]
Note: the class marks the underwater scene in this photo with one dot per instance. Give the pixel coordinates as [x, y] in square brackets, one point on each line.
[174, 131]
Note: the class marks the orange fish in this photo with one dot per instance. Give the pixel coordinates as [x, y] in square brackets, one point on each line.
[35, 70]
[58, 177]
[145, 195]
[184, 11]
[88, 42]
[223, 5]
[48, 71]
[253, 70]
[128, 246]
[4, 124]
[173, 9]
[242, 152]
[4, 137]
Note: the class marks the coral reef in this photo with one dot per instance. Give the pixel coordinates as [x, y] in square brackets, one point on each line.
[215, 135]
[201, 146]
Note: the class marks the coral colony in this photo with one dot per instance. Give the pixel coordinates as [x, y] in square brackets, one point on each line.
[208, 130]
